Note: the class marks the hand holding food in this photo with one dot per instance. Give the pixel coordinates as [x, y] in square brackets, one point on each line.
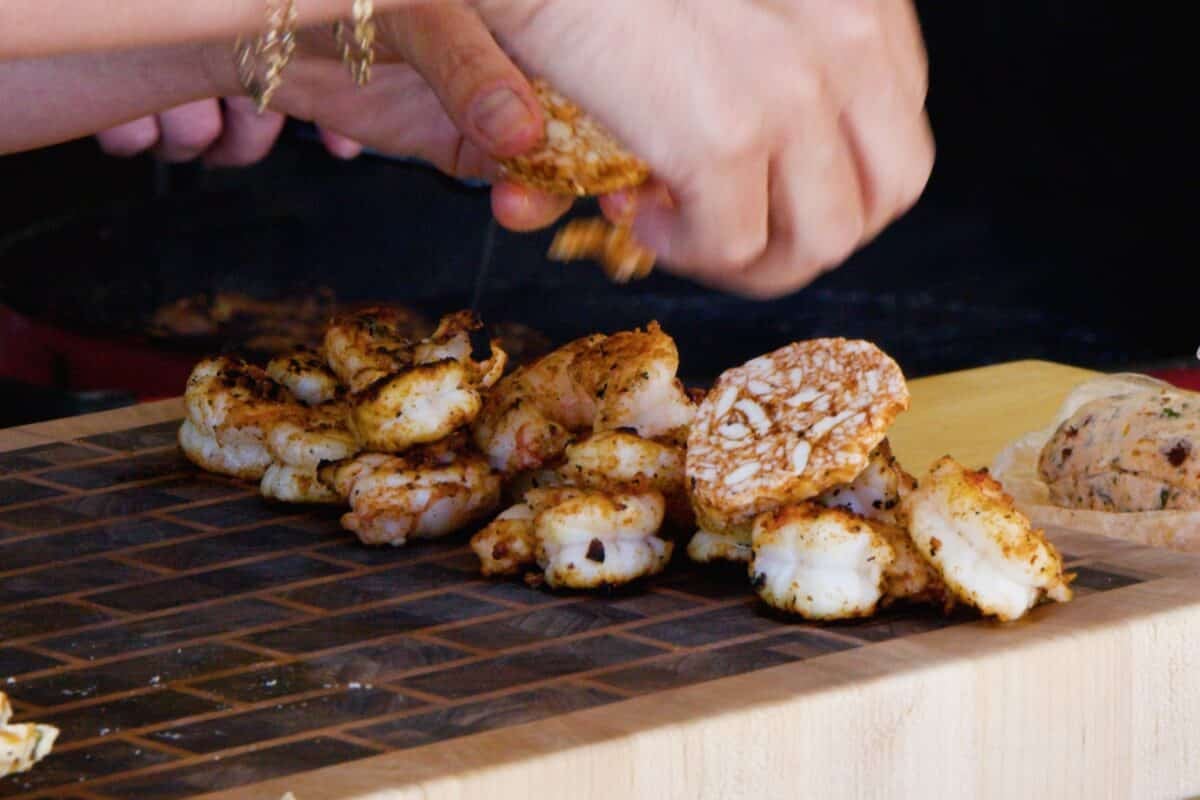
[788, 136]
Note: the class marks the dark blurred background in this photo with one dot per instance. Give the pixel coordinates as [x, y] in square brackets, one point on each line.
[1042, 234]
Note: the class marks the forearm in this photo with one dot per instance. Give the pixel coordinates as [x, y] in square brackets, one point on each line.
[51, 100]
[34, 28]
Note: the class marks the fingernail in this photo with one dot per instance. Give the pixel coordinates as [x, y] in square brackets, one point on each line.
[502, 119]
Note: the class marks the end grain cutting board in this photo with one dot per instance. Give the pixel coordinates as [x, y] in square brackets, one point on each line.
[190, 639]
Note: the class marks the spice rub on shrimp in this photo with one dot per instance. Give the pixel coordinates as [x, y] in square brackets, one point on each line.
[622, 461]
[987, 553]
[579, 538]
[597, 383]
[418, 495]
[820, 563]
[24, 744]
[298, 445]
[875, 493]
[733, 544]
[827, 563]
[304, 373]
[369, 344]
[230, 407]
[435, 395]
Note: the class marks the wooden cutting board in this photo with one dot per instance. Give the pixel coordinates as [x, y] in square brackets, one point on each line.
[189, 638]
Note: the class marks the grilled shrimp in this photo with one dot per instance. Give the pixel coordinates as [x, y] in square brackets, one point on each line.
[22, 744]
[426, 401]
[368, 345]
[706, 547]
[420, 495]
[306, 375]
[509, 543]
[910, 577]
[877, 491]
[581, 539]
[596, 383]
[619, 461]
[298, 446]
[600, 539]
[820, 563]
[986, 552]
[231, 406]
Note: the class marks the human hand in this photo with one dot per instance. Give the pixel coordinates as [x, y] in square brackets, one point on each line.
[783, 134]
[223, 133]
[441, 90]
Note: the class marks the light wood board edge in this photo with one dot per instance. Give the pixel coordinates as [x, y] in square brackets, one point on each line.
[1088, 699]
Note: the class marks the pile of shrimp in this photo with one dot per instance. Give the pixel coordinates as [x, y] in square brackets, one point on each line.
[790, 472]
[586, 467]
[420, 440]
[374, 420]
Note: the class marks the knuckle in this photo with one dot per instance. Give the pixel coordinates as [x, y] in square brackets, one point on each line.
[727, 126]
[737, 252]
[911, 183]
[775, 289]
[135, 141]
[735, 138]
[838, 242]
[129, 139]
[471, 67]
[799, 89]
[921, 172]
[198, 136]
[858, 24]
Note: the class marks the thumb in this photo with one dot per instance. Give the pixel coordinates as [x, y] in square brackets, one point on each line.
[478, 85]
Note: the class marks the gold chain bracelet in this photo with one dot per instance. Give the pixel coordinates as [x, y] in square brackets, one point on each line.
[358, 50]
[260, 61]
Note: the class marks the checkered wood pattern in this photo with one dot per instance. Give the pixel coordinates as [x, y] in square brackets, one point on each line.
[187, 637]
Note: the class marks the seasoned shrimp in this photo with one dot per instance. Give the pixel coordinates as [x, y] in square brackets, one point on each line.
[298, 446]
[509, 543]
[910, 577]
[597, 383]
[421, 495]
[22, 744]
[430, 399]
[820, 563]
[619, 461]
[528, 418]
[598, 539]
[231, 405]
[306, 375]
[986, 552]
[419, 405]
[368, 345]
[580, 538]
[877, 491]
[706, 547]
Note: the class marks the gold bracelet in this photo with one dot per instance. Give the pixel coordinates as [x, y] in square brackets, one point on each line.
[261, 60]
[358, 52]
